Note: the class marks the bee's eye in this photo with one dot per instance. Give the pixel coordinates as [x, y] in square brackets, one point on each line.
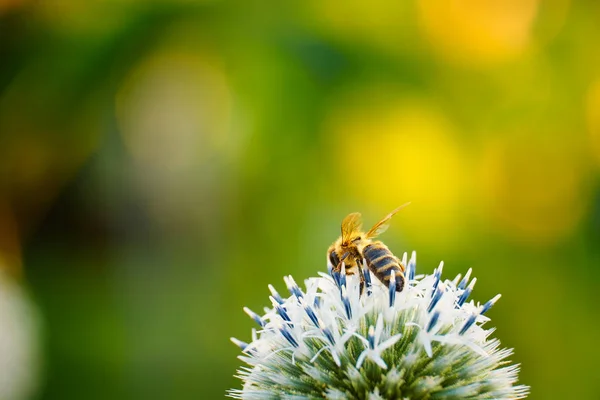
[334, 259]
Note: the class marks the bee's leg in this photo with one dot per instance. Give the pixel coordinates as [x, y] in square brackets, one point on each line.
[336, 272]
[332, 262]
[338, 268]
[362, 277]
[361, 274]
[400, 282]
[366, 276]
[341, 264]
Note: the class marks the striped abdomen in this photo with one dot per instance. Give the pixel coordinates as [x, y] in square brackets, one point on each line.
[382, 262]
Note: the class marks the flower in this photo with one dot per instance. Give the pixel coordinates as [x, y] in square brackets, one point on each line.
[332, 341]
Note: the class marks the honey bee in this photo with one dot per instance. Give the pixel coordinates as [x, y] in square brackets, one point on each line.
[354, 245]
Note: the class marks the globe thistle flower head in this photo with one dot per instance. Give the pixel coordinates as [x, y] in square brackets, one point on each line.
[340, 339]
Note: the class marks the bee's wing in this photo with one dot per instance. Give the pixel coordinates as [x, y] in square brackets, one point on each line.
[352, 223]
[382, 225]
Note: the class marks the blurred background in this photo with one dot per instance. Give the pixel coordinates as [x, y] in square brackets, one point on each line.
[161, 162]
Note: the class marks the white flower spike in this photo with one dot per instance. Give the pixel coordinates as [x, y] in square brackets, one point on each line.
[373, 349]
[332, 342]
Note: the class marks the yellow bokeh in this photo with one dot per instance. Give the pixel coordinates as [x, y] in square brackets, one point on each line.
[533, 190]
[593, 118]
[374, 22]
[174, 114]
[403, 151]
[478, 32]
[172, 107]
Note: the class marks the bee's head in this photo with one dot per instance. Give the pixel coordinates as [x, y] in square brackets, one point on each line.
[351, 248]
[345, 247]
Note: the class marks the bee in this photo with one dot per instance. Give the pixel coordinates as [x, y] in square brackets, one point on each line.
[354, 245]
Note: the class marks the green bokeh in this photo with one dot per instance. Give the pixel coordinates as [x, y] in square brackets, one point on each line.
[141, 244]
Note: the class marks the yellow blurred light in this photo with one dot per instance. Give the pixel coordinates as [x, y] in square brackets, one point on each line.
[171, 108]
[593, 118]
[533, 190]
[403, 151]
[476, 32]
[376, 21]
[174, 113]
